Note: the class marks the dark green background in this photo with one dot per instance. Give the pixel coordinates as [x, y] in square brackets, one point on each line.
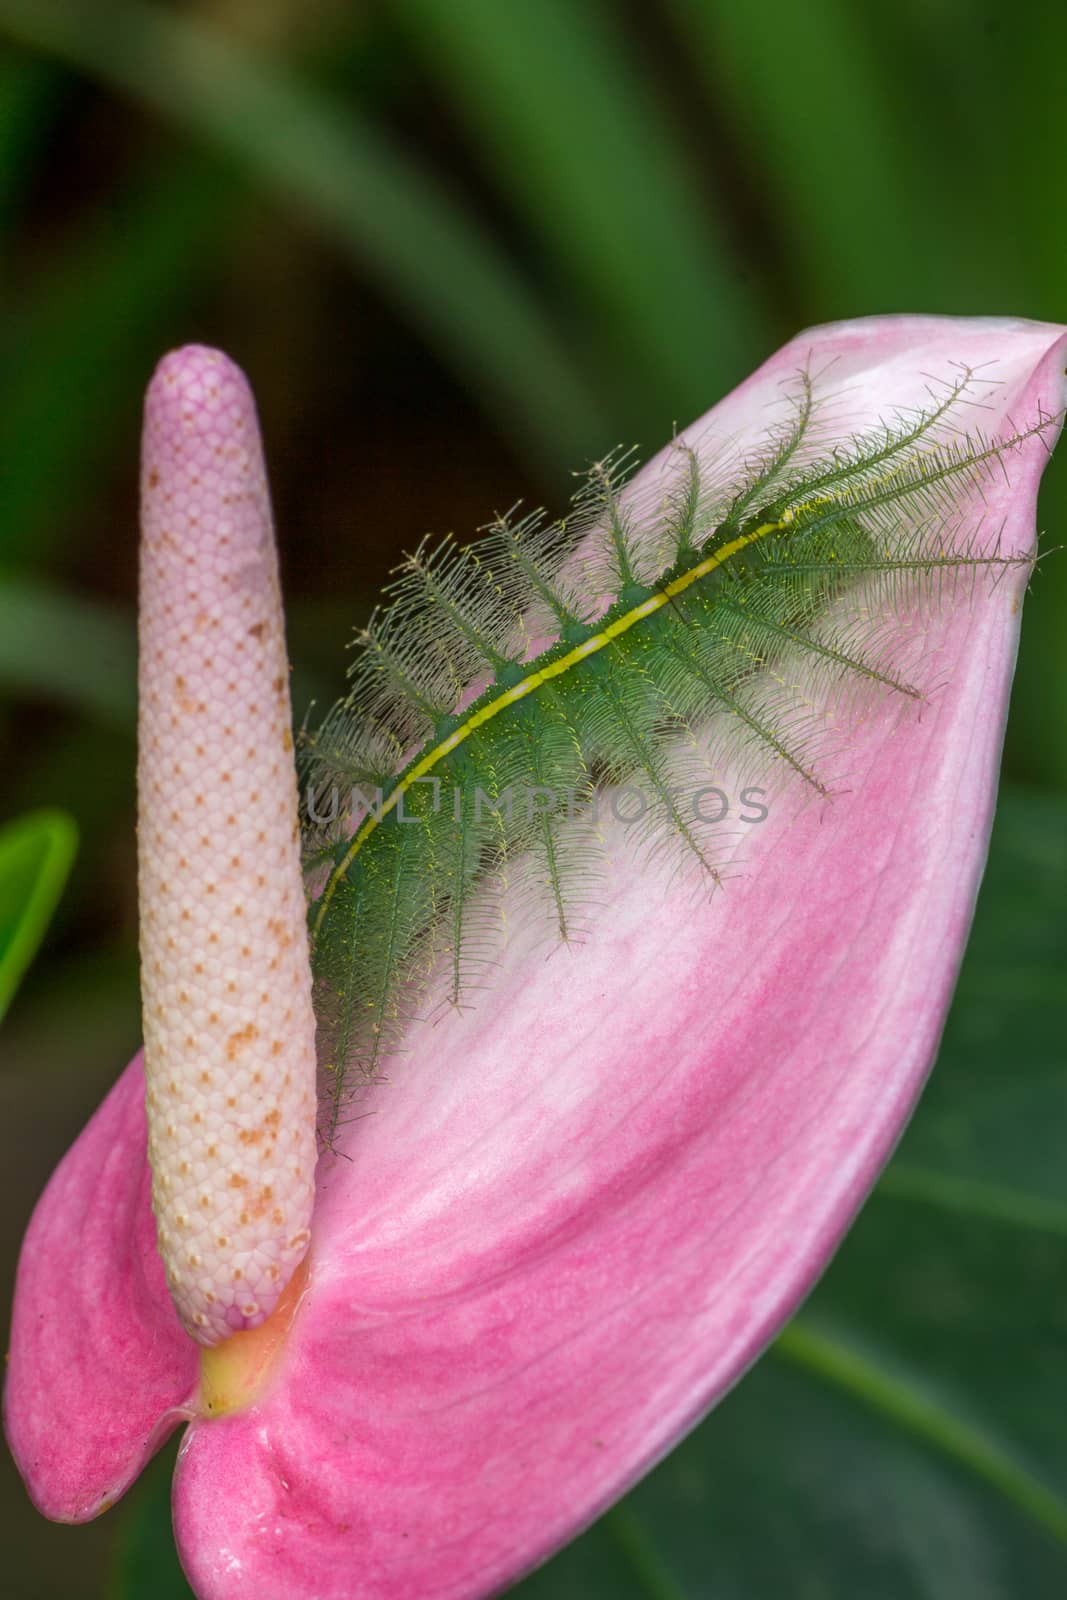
[461, 246]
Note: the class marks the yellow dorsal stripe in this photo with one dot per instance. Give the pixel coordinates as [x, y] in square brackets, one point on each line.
[554, 669]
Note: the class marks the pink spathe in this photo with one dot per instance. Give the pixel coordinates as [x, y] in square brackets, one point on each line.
[574, 1215]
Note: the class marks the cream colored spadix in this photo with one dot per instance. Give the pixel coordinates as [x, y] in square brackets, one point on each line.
[226, 990]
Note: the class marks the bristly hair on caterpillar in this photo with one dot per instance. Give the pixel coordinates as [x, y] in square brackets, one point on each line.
[722, 616]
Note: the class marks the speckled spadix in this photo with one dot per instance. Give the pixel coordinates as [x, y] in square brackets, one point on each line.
[228, 1025]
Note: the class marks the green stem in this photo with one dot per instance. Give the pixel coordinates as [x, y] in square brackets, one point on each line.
[916, 1413]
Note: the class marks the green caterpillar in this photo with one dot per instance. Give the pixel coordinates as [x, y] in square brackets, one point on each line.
[506, 684]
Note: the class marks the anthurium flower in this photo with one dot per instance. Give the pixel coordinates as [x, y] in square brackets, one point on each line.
[570, 1216]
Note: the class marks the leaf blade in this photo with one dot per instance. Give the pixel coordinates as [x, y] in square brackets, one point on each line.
[36, 853]
[397, 223]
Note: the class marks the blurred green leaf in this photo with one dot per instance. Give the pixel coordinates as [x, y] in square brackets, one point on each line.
[852, 175]
[72, 362]
[426, 254]
[581, 145]
[146, 1564]
[27, 93]
[904, 158]
[58, 646]
[903, 1440]
[1037, 731]
[35, 856]
[78, 1018]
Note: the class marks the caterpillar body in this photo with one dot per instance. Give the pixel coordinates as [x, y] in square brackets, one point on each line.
[719, 612]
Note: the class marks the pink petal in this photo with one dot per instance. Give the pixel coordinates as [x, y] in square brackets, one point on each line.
[100, 1366]
[580, 1211]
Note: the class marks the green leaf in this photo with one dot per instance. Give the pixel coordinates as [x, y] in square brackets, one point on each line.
[904, 1437]
[27, 92]
[851, 173]
[73, 356]
[146, 1566]
[65, 648]
[583, 147]
[35, 857]
[1036, 747]
[426, 254]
